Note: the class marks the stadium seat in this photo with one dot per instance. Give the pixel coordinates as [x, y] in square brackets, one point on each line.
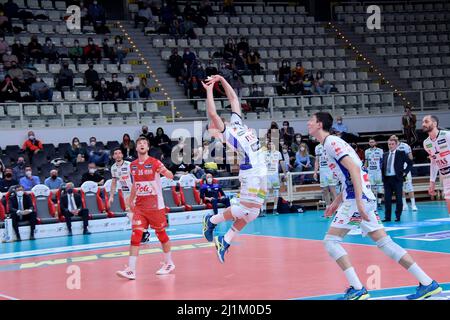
[42, 201]
[90, 195]
[190, 196]
[171, 198]
[118, 207]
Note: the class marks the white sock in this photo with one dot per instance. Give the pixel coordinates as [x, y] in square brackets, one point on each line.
[420, 275]
[404, 203]
[217, 218]
[353, 279]
[413, 202]
[230, 235]
[168, 257]
[132, 262]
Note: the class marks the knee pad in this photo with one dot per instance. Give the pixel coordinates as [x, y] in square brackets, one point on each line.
[390, 248]
[162, 236]
[136, 237]
[334, 247]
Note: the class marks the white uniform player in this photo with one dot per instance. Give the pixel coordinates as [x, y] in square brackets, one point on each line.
[328, 180]
[122, 175]
[273, 158]
[374, 160]
[408, 183]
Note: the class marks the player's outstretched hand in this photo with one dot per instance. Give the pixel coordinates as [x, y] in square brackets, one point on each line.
[213, 79]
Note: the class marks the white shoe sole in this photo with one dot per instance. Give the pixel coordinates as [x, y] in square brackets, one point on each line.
[122, 275]
[164, 272]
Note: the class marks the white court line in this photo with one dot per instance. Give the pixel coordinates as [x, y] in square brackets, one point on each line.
[404, 295]
[8, 297]
[86, 247]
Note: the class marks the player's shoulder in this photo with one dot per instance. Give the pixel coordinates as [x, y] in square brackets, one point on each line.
[427, 143]
[444, 133]
[127, 163]
[331, 141]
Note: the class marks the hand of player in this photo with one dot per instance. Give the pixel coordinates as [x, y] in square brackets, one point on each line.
[214, 79]
[110, 201]
[362, 210]
[315, 176]
[208, 86]
[432, 188]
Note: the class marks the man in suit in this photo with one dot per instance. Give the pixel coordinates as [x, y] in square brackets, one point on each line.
[71, 205]
[21, 209]
[393, 176]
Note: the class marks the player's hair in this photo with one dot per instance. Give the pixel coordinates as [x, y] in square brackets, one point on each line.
[117, 149]
[393, 138]
[435, 119]
[326, 119]
[372, 138]
[142, 138]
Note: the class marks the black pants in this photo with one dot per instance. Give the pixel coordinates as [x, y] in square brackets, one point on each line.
[84, 214]
[216, 201]
[29, 217]
[391, 185]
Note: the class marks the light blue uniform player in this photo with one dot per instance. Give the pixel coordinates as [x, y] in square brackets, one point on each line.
[373, 163]
[328, 181]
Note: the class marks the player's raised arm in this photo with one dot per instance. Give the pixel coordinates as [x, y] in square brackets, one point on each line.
[229, 91]
[166, 172]
[216, 121]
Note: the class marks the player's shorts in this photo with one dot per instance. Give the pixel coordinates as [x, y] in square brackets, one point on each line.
[376, 181]
[273, 181]
[327, 179]
[446, 185]
[253, 185]
[407, 184]
[156, 219]
[347, 217]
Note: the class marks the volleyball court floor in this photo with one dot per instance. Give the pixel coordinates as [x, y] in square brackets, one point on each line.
[276, 257]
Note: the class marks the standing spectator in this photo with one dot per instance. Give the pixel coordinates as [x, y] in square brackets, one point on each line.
[175, 65]
[49, 51]
[19, 169]
[120, 50]
[128, 148]
[65, 78]
[144, 89]
[253, 62]
[144, 15]
[188, 57]
[8, 91]
[53, 182]
[162, 141]
[71, 205]
[287, 133]
[93, 175]
[35, 50]
[92, 52]
[97, 155]
[41, 91]
[409, 126]
[76, 153]
[18, 49]
[76, 53]
[319, 84]
[132, 87]
[92, 78]
[29, 181]
[212, 193]
[115, 89]
[97, 14]
[7, 181]
[21, 209]
[32, 145]
[9, 59]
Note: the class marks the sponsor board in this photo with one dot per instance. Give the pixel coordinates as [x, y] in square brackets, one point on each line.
[431, 236]
[189, 217]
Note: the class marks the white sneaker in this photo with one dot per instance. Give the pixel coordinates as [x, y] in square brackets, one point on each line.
[166, 269]
[415, 208]
[127, 274]
[405, 208]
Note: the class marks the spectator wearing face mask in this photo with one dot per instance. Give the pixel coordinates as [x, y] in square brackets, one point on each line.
[108, 51]
[49, 51]
[97, 14]
[212, 193]
[76, 52]
[19, 169]
[287, 133]
[35, 49]
[53, 182]
[76, 153]
[8, 90]
[284, 72]
[93, 175]
[21, 209]
[188, 57]
[120, 50]
[239, 62]
[295, 146]
[92, 78]
[7, 181]
[9, 58]
[32, 145]
[339, 127]
[144, 89]
[253, 62]
[41, 91]
[65, 78]
[115, 89]
[132, 87]
[92, 52]
[288, 157]
[97, 154]
[146, 134]
[72, 205]
[102, 93]
[18, 49]
[29, 181]
[128, 148]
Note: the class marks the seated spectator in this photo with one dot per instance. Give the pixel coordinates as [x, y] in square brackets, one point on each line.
[108, 51]
[144, 15]
[49, 51]
[18, 49]
[8, 59]
[19, 169]
[7, 181]
[307, 84]
[176, 28]
[287, 133]
[230, 50]
[4, 46]
[319, 84]
[257, 103]
[288, 158]
[41, 91]
[53, 182]
[144, 89]
[295, 146]
[92, 52]
[21, 209]
[5, 23]
[17, 76]
[97, 154]
[65, 78]
[103, 93]
[132, 87]
[93, 175]
[128, 148]
[295, 85]
[29, 74]
[302, 161]
[71, 205]
[333, 89]
[284, 72]
[243, 45]
[212, 193]
[273, 133]
[237, 83]
[8, 91]
[253, 62]
[198, 71]
[91, 77]
[205, 9]
[35, 50]
[211, 69]
[120, 50]
[97, 15]
[195, 88]
[339, 127]
[188, 57]
[63, 51]
[175, 65]
[239, 62]
[162, 141]
[76, 53]
[115, 89]
[29, 181]
[299, 70]
[76, 153]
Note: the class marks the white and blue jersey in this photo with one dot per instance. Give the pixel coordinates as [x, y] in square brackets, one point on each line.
[337, 149]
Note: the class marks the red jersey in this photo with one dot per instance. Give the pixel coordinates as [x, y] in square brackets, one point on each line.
[147, 181]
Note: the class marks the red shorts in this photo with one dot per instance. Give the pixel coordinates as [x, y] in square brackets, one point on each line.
[156, 219]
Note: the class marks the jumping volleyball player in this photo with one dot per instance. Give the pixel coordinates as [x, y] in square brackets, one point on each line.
[437, 145]
[252, 173]
[147, 204]
[356, 205]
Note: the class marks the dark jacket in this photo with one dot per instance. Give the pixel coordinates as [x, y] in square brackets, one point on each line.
[14, 205]
[400, 159]
[64, 203]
